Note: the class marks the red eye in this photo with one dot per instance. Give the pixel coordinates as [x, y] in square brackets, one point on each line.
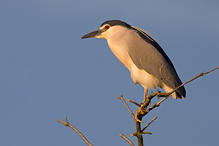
[107, 27]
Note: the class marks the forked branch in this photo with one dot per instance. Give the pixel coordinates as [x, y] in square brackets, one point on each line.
[140, 115]
[142, 108]
[76, 130]
[124, 137]
[167, 95]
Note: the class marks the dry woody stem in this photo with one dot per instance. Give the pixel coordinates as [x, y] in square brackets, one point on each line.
[76, 130]
[124, 137]
[121, 97]
[140, 113]
[149, 123]
[142, 108]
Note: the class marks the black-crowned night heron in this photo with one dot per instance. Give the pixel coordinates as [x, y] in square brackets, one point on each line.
[142, 55]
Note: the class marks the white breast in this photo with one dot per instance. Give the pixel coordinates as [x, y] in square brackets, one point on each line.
[119, 46]
[145, 79]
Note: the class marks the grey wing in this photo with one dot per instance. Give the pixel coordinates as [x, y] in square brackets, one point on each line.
[148, 55]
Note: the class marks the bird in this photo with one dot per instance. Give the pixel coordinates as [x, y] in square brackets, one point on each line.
[147, 62]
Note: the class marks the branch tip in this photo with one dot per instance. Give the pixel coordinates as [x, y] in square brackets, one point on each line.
[124, 137]
[145, 132]
[133, 134]
[120, 97]
[127, 107]
[76, 130]
[133, 102]
[149, 124]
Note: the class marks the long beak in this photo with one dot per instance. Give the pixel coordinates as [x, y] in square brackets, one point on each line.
[92, 34]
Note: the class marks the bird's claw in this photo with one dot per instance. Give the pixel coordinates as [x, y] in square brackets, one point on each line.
[139, 111]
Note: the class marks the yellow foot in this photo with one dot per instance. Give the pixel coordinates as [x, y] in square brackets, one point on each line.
[136, 114]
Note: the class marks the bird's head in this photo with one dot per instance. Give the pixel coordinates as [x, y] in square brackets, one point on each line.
[107, 29]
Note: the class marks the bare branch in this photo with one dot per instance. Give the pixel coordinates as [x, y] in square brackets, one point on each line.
[124, 137]
[76, 130]
[145, 132]
[121, 97]
[211, 70]
[149, 123]
[140, 113]
[138, 133]
[133, 102]
[201, 74]
[167, 95]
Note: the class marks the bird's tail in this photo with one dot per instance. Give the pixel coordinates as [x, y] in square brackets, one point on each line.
[180, 93]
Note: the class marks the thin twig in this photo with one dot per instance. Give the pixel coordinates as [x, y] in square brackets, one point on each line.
[124, 137]
[137, 123]
[149, 123]
[145, 132]
[167, 95]
[157, 104]
[76, 130]
[201, 74]
[133, 102]
[140, 115]
[121, 97]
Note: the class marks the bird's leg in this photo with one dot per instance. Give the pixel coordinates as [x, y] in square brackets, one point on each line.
[137, 112]
[145, 95]
[140, 109]
[158, 92]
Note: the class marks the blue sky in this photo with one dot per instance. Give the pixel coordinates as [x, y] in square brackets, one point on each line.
[47, 72]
